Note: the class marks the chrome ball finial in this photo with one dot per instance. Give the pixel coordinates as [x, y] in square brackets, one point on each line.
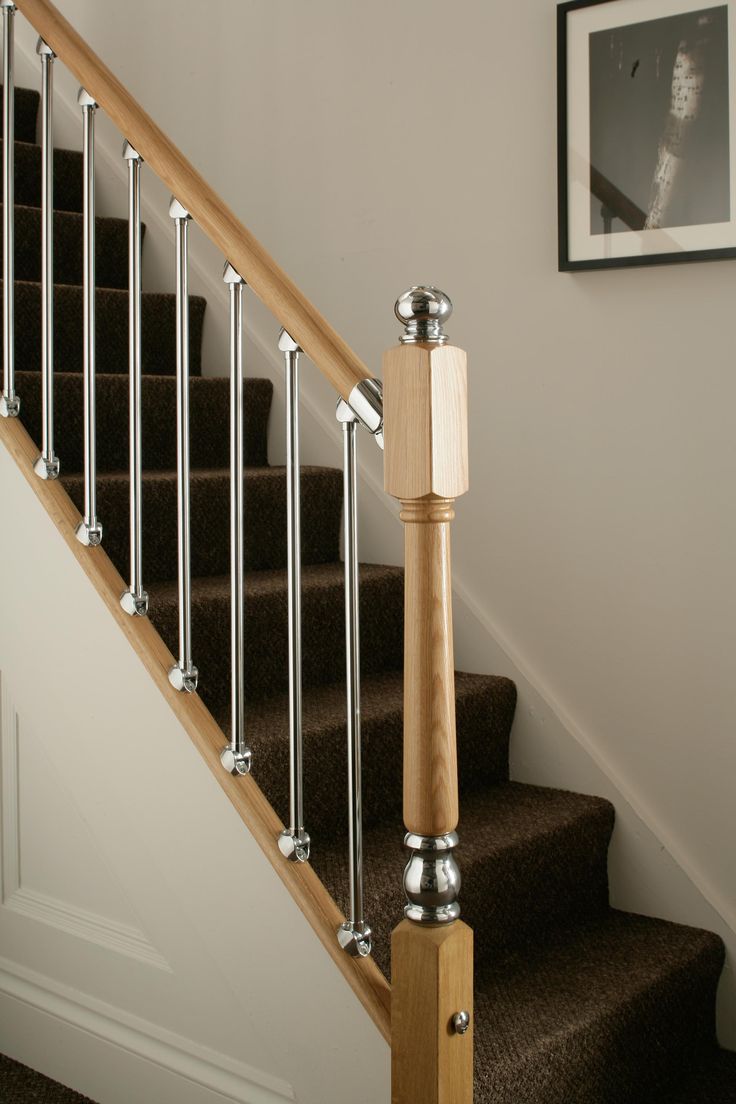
[423, 311]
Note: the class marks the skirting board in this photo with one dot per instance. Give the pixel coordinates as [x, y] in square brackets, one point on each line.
[114, 1057]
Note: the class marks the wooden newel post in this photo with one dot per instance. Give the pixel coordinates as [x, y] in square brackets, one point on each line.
[426, 468]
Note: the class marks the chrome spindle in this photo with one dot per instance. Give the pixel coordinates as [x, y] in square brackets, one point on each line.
[135, 600]
[237, 757]
[183, 675]
[294, 840]
[47, 465]
[9, 401]
[89, 530]
[354, 935]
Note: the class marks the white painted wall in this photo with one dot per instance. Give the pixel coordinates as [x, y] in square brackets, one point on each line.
[148, 951]
[368, 146]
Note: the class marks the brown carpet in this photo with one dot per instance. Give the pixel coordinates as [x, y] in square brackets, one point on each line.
[21, 1085]
[576, 1003]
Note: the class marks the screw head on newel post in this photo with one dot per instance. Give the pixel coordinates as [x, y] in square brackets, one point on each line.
[423, 312]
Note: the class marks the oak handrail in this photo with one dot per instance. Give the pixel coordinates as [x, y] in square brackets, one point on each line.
[335, 359]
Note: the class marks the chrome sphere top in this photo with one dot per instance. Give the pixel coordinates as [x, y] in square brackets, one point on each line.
[423, 312]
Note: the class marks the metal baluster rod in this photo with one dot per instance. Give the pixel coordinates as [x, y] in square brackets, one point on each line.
[294, 841]
[135, 600]
[237, 757]
[354, 935]
[89, 530]
[47, 465]
[183, 675]
[9, 401]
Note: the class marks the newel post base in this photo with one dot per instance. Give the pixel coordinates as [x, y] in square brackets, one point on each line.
[431, 1041]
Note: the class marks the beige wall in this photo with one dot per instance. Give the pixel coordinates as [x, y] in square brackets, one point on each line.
[378, 144]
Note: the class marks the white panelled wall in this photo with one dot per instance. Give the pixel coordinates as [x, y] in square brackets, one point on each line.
[148, 951]
[371, 146]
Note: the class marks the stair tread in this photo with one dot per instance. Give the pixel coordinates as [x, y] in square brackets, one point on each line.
[274, 581]
[589, 997]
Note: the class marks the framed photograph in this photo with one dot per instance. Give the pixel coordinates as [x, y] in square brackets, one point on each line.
[646, 132]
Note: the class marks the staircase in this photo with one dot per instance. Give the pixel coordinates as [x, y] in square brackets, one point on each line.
[575, 1002]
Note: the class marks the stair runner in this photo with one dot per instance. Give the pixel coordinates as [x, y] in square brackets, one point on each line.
[576, 1002]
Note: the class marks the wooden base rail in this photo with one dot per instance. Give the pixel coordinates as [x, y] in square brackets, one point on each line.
[425, 433]
[273, 287]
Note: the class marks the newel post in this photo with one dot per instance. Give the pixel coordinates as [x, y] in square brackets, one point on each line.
[426, 468]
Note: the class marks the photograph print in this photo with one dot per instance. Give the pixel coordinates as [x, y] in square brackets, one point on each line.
[645, 132]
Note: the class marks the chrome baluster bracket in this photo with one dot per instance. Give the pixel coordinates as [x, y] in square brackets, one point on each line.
[183, 675]
[237, 757]
[9, 401]
[354, 935]
[366, 402]
[294, 842]
[47, 465]
[89, 530]
[134, 601]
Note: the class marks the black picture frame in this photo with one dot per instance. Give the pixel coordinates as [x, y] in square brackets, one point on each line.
[581, 243]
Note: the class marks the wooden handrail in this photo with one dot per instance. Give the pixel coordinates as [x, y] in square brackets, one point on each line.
[273, 287]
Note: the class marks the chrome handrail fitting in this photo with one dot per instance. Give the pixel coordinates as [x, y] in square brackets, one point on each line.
[354, 935]
[135, 600]
[89, 530]
[237, 757]
[183, 675]
[9, 401]
[294, 841]
[47, 465]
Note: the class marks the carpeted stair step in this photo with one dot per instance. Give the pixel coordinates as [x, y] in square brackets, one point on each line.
[531, 859]
[608, 1011]
[21, 1085]
[209, 420]
[27, 102]
[265, 514]
[710, 1081]
[323, 638]
[485, 709]
[158, 329]
[111, 247]
[67, 177]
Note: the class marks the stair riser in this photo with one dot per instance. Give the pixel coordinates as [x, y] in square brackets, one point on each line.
[26, 113]
[266, 654]
[326, 803]
[67, 177]
[511, 898]
[111, 248]
[265, 529]
[158, 330]
[209, 421]
[624, 1060]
